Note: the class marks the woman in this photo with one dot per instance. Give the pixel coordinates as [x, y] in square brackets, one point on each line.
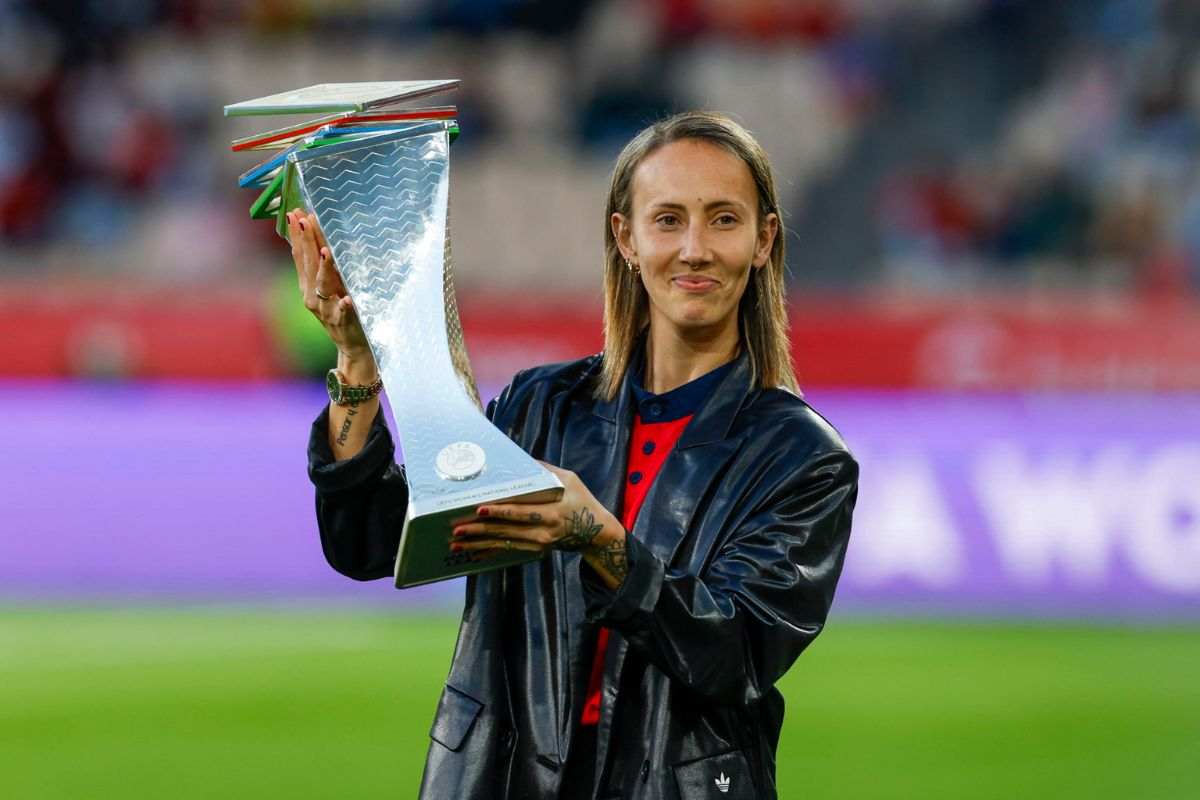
[695, 551]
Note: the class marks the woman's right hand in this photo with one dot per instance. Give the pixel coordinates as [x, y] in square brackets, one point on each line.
[325, 296]
[318, 276]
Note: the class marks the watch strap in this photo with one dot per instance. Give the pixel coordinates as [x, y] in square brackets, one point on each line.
[354, 395]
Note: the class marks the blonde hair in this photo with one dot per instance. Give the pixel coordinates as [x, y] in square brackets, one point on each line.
[762, 313]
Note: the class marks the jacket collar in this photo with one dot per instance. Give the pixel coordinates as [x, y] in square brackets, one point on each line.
[710, 424]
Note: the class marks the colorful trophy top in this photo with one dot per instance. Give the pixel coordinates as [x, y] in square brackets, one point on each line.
[350, 112]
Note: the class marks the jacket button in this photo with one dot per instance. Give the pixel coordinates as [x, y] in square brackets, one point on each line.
[648, 448]
[645, 770]
[635, 477]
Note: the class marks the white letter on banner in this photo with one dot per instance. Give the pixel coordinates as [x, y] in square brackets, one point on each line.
[1055, 511]
[902, 526]
[1164, 541]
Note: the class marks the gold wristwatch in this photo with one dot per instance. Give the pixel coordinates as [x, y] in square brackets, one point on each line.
[343, 394]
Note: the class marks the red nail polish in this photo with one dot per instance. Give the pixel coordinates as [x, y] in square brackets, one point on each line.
[483, 512]
[454, 548]
[301, 224]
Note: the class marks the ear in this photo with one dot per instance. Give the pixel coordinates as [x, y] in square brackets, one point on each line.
[767, 232]
[623, 232]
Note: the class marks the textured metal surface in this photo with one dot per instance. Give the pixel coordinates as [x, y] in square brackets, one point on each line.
[454, 332]
[382, 204]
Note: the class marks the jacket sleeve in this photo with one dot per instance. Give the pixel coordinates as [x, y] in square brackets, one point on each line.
[731, 632]
[361, 501]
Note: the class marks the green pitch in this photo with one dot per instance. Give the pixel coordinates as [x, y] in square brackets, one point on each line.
[258, 704]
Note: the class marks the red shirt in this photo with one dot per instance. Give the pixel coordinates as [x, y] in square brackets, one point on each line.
[657, 426]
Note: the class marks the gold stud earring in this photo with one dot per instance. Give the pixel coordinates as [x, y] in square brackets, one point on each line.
[633, 268]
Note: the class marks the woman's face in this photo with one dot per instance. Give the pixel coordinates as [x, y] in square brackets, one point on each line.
[694, 231]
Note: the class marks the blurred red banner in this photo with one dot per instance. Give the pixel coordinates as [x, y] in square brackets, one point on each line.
[883, 341]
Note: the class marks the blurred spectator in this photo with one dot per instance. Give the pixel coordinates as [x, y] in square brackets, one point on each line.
[945, 144]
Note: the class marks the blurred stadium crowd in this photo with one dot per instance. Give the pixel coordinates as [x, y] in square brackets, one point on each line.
[934, 145]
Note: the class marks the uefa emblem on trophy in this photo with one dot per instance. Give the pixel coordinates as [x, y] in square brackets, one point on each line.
[377, 177]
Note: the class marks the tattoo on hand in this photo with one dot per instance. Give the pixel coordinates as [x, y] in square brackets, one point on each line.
[346, 426]
[535, 517]
[615, 560]
[581, 530]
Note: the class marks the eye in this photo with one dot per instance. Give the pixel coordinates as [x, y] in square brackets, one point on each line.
[726, 219]
[667, 220]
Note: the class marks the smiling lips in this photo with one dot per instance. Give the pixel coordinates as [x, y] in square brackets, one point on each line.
[694, 283]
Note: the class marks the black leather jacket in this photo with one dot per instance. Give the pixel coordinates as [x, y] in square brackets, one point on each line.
[733, 563]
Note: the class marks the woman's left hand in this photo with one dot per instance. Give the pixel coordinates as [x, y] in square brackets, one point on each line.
[577, 522]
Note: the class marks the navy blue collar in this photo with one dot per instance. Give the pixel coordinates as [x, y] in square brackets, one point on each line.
[677, 403]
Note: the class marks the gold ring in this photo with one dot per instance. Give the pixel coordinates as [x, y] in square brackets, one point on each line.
[508, 544]
[322, 296]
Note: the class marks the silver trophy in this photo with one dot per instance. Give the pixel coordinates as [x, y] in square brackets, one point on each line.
[381, 199]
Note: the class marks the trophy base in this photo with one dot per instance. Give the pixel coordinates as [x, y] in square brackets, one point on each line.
[425, 556]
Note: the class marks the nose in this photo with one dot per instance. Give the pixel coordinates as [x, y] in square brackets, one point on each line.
[693, 250]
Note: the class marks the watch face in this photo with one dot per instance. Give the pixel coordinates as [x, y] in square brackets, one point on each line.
[334, 386]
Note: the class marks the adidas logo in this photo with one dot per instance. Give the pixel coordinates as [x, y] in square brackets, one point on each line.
[722, 783]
